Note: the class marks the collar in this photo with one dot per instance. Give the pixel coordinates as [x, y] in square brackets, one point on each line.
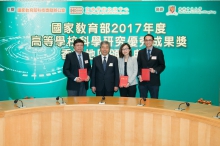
[105, 56]
[79, 54]
[150, 48]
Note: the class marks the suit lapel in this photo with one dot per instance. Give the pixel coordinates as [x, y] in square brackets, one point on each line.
[76, 59]
[145, 55]
[84, 58]
[100, 62]
[108, 62]
[153, 52]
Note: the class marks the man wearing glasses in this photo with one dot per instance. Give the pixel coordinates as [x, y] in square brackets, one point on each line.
[73, 62]
[153, 59]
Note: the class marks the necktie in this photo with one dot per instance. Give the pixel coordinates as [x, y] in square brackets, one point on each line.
[104, 64]
[80, 61]
[148, 54]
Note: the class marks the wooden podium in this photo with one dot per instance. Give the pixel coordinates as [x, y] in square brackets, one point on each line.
[83, 122]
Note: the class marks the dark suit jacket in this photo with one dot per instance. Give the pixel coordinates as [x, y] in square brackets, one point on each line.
[157, 64]
[109, 77]
[70, 69]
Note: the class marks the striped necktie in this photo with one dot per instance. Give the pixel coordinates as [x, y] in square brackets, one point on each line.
[80, 61]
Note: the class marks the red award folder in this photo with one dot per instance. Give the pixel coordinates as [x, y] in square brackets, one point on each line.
[83, 74]
[123, 81]
[145, 74]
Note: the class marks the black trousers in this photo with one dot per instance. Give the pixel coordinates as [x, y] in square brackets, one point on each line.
[128, 92]
[154, 91]
[104, 92]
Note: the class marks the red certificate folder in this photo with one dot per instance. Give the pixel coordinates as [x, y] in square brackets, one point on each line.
[83, 74]
[145, 74]
[123, 81]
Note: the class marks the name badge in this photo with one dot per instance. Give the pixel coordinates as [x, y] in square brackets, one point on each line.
[86, 61]
[110, 64]
[154, 58]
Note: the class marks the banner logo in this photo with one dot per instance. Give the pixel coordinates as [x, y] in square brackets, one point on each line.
[172, 11]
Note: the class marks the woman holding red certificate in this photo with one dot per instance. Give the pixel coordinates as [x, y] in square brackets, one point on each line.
[128, 69]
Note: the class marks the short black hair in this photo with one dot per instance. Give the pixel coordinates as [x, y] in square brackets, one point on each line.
[78, 41]
[121, 55]
[149, 35]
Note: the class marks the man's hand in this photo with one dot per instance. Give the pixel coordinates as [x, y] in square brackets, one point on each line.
[78, 79]
[93, 89]
[152, 70]
[115, 89]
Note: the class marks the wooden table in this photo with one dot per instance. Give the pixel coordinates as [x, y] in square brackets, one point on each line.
[82, 121]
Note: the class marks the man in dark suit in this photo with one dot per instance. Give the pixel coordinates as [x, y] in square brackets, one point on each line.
[74, 61]
[152, 58]
[105, 74]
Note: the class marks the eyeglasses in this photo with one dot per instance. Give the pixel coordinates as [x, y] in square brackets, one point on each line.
[148, 40]
[125, 49]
